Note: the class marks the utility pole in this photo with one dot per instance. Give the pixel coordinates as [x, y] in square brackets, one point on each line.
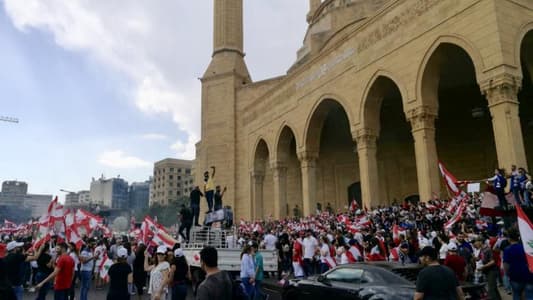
[9, 119]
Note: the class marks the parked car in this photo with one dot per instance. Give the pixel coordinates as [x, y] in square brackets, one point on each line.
[367, 281]
[352, 281]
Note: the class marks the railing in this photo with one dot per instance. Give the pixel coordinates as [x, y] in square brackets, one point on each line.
[214, 237]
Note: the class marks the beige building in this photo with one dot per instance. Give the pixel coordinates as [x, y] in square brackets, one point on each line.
[380, 91]
[172, 179]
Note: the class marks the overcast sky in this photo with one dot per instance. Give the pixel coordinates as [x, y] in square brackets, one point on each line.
[110, 87]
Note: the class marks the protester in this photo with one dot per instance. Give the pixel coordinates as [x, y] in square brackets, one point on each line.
[209, 188]
[73, 252]
[179, 273]
[455, 262]
[120, 275]
[248, 270]
[15, 260]
[219, 194]
[44, 269]
[99, 252]
[63, 273]
[185, 222]
[6, 290]
[139, 274]
[259, 272]
[310, 247]
[499, 182]
[486, 264]
[158, 274]
[436, 281]
[195, 196]
[217, 284]
[516, 267]
[87, 259]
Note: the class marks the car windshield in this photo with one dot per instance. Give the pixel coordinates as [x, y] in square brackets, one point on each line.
[348, 275]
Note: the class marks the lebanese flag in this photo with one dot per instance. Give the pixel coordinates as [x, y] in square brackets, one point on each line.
[104, 267]
[9, 224]
[394, 254]
[74, 237]
[43, 233]
[449, 179]
[330, 262]
[526, 232]
[396, 232]
[353, 254]
[456, 217]
[163, 239]
[56, 211]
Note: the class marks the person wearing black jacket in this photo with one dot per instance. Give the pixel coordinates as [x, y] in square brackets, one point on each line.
[195, 196]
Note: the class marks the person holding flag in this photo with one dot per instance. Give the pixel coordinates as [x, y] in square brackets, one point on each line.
[63, 273]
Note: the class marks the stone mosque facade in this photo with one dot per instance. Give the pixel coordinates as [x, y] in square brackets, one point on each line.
[380, 91]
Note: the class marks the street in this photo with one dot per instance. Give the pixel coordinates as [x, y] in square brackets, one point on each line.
[101, 294]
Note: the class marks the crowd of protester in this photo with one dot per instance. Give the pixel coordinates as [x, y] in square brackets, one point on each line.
[477, 249]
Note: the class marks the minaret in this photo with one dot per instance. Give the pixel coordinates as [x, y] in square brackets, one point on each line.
[226, 73]
[228, 54]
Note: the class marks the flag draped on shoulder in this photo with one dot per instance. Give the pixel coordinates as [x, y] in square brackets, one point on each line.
[526, 232]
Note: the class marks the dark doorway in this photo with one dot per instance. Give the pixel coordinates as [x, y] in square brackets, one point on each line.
[354, 192]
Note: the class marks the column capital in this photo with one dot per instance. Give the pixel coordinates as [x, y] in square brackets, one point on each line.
[422, 117]
[257, 175]
[365, 138]
[501, 89]
[306, 155]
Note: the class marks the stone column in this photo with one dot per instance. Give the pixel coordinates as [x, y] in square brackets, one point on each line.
[308, 165]
[501, 93]
[368, 166]
[422, 121]
[279, 171]
[257, 194]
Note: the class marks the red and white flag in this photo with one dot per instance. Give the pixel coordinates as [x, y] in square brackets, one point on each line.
[456, 217]
[526, 232]
[353, 206]
[163, 239]
[74, 237]
[104, 267]
[449, 179]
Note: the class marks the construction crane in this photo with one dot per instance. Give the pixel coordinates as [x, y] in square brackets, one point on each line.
[9, 119]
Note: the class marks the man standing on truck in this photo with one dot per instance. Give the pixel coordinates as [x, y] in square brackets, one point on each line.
[209, 188]
[195, 196]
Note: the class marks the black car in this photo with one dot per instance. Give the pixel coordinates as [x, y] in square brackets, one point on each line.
[367, 281]
[352, 281]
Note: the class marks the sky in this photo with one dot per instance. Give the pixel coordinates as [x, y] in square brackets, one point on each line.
[110, 87]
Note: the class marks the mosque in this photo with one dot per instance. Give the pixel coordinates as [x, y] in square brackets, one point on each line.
[380, 91]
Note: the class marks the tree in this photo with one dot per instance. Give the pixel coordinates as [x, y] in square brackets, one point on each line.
[167, 214]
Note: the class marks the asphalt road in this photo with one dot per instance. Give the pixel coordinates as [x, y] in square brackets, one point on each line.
[102, 294]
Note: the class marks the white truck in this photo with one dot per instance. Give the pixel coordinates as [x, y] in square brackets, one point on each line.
[229, 254]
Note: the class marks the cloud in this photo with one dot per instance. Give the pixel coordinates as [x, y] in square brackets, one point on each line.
[154, 136]
[120, 160]
[162, 46]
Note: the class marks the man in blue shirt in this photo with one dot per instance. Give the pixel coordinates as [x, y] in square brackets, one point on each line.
[515, 265]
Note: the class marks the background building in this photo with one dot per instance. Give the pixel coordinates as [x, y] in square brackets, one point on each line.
[14, 188]
[72, 199]
[84, 197]
[111, 193]
[18, 205]
[172, 179]
[139, 193]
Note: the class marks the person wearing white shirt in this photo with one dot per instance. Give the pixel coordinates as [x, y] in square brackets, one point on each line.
[270, 241]
[87, 259]
[310, 245]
